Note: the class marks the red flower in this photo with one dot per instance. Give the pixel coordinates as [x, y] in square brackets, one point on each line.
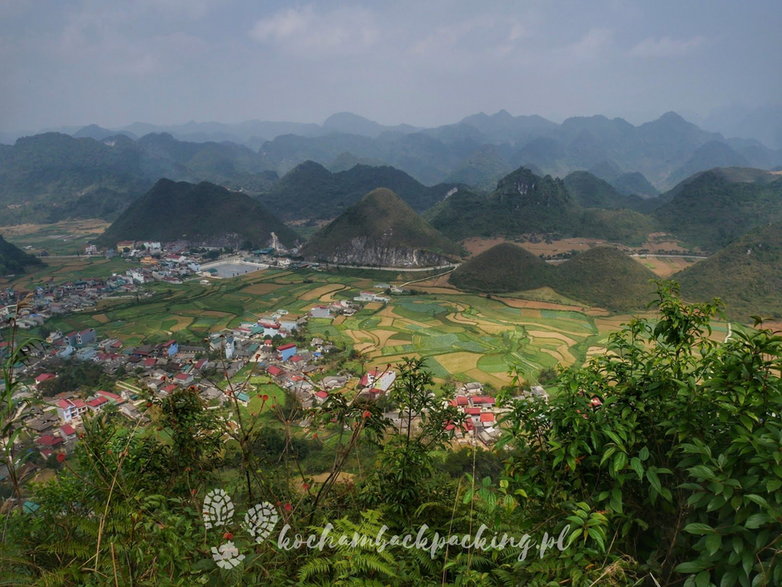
[288, 507]
[305, 486]
[265, 397]
[315, 436]
[228, 535]
[366, 414]
[60, 457]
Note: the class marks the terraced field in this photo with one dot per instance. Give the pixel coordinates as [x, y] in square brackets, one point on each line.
[463, 337]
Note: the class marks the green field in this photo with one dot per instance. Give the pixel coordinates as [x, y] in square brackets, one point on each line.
[68, 237]
[462, 336]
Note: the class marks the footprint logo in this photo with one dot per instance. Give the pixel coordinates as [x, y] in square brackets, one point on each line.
[218, 509]
[259, 522]
[227, 556]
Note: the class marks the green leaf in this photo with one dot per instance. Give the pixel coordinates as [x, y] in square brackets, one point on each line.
[637, 466]
[756, 499]
[695, 566]
[698, 529]
[755, 521]
[620, 460]
[616, 500]
[713, 543]
[651, 475]
[597, 537]
[702, 472]
[643, 454]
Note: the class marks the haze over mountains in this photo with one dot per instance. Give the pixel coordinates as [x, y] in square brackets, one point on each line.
[477, 151]
[485, 176]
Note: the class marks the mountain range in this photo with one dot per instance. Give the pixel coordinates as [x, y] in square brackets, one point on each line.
[478, 150]
[524, 203]
[310, 191]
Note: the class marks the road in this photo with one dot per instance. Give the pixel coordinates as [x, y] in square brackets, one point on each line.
[405, 269]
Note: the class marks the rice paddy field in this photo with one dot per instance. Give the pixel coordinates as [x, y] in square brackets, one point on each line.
[463, 337]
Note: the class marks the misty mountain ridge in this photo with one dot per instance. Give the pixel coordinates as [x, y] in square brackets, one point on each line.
[664, 150]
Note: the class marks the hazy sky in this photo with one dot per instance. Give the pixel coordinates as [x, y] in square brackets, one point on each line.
[425, 62]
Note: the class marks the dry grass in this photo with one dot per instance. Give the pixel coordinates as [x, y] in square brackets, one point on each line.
[319, 292]
[551, 334]
[665, 266]
[260, 289]
[459, 362]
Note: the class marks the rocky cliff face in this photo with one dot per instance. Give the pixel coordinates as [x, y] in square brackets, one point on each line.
[359, 251]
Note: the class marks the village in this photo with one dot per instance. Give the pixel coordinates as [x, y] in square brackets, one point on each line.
[148, 262]
[275, 346]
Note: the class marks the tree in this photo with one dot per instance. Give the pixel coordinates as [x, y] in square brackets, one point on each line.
[673, 437]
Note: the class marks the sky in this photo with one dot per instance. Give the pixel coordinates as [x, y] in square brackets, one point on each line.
[426, 63]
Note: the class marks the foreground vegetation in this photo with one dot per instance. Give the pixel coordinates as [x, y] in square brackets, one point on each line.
[663, 456]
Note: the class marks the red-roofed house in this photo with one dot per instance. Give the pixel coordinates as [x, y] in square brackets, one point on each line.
[472, 411]
[68, 409]
[44, 377]
[112, 397]
[49, 441]
[183, 378]
[274, 371]
[169, 388]
[482, 400]
[149, 362]
[97, 403]
[287, 350]
[460, 400]
[487, 419]
[201, 364]
[68, 432]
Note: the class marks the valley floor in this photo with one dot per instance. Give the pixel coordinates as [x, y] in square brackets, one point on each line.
[464, 337]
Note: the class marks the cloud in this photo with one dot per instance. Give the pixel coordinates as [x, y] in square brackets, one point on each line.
[307, 33]
[192, 9]
[101, 43]
[665, 47]
[591, 45]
